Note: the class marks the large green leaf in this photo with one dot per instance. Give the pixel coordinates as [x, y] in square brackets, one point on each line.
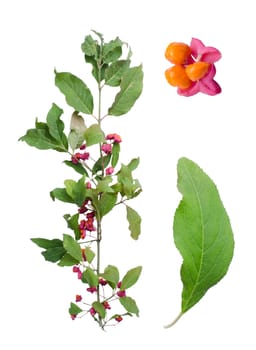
[134, 221]
[202, 233]
[130, 90]
[131, 277]
[76, 92]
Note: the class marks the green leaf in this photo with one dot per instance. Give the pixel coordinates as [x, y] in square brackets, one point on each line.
[98, 73]
[130, 90]
[103, 185]
[72, 247]
[101, 164]
[47, 243]
[73, 224]
[76, 92]
[79, 192]
[115, 71]
[67, 260]
[107, 203]
[90, 277]
[76, 190]
[99, 308]
[74, 309]
[124, 177]
[54, 248]
[40, 138]
[61, 195]
[90, 47]
[77, 167]
[130, 305]
[134, 221]
[94, 135]
[56, 126]
[133, 164]
[112, 51]
[202, 233]
[131, 277]
[89, 254]
[111, 274]
[54, 254]
[115, 154]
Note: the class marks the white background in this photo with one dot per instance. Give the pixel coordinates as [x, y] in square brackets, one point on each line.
[216, 132]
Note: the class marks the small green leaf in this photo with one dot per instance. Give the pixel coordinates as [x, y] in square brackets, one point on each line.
[94, 135]
[90, 47]
[103, 185]
[74, 309]
[101, 164]
[56, 126]
[124, 177]
[73, 224]
[67, 260]
[77, 167]
[134, 221]
[47, 243]
[130, 90]
[131, 277]
[111, 274]
[134, 164]
[97, 73]
[115, 154]
[70, 184]
[115, 71]
[76, 190]
[90, 277]
[61, 195]
[202, 234]
[54, 254]
[99, 308]
[112, 51]
[76, 92]
[130, 305]
[72, 247]
[89, 254]
[107, 203]
[79, 192]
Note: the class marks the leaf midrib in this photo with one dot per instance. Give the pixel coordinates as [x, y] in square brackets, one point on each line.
[203, 235]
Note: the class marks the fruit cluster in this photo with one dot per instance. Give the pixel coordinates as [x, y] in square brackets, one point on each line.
[193, 69]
